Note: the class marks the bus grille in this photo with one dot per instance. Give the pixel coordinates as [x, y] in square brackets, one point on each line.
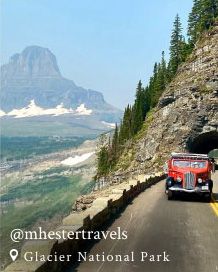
[189, 181]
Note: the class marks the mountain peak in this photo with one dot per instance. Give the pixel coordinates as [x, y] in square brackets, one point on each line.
[33, 62]
[31, 81]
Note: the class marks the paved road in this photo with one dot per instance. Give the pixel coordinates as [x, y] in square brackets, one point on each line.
[186, 229]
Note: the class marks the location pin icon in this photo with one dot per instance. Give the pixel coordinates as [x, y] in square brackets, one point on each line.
[13, 254]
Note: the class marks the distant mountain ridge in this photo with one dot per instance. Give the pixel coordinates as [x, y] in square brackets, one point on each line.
[34, 75]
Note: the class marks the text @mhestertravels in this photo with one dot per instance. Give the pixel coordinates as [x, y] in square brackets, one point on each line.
[18, 235]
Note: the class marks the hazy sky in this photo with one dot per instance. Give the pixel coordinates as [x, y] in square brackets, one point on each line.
[105, 45]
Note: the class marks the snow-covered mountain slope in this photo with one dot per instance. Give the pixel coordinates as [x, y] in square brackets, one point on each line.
[33, 110]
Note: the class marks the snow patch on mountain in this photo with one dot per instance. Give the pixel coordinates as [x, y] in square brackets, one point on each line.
[82, 110]
[109, 125]
[2, 113]
[33, 110]
[77, 159]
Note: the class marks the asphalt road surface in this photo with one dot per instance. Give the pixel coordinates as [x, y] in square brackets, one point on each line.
[186, 229]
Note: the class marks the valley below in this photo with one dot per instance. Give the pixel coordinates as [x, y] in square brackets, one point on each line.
[39, 186]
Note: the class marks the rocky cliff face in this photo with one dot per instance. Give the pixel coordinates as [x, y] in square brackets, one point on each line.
[186, 118]
[34, 75]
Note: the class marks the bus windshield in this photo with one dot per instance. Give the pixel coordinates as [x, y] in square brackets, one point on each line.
[190, 164]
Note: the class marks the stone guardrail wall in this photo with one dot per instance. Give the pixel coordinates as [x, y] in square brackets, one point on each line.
[93, 218]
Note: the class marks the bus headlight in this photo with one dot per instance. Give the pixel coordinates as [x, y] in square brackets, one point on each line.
[200, 180]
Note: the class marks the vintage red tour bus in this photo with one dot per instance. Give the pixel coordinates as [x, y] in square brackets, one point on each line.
[189, 173]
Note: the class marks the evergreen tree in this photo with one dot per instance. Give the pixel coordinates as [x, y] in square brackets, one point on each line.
[126, 126]
[186, 49]
[202, 16]
[138, 109]
[155, 71]
[152, 88]
[115, 147]
[147, 98]
[193, 21]
[164, 70]
[102, 157]
[209, 11]
[161, 76]
[103, 161]
[157, 83]
[176, 47]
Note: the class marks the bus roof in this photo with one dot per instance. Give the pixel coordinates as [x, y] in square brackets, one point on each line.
[189, 156]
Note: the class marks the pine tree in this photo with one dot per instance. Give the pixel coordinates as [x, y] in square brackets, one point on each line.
[186, 49]
[201, 18]
[138, 109]
[115, 147]
[102, 157]
[152, 86]
[164, 70]
[161, 76]
[147, 99]
[209, 10]
[126, 126]
[157, 83]
[193, 22]
[175, 47]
